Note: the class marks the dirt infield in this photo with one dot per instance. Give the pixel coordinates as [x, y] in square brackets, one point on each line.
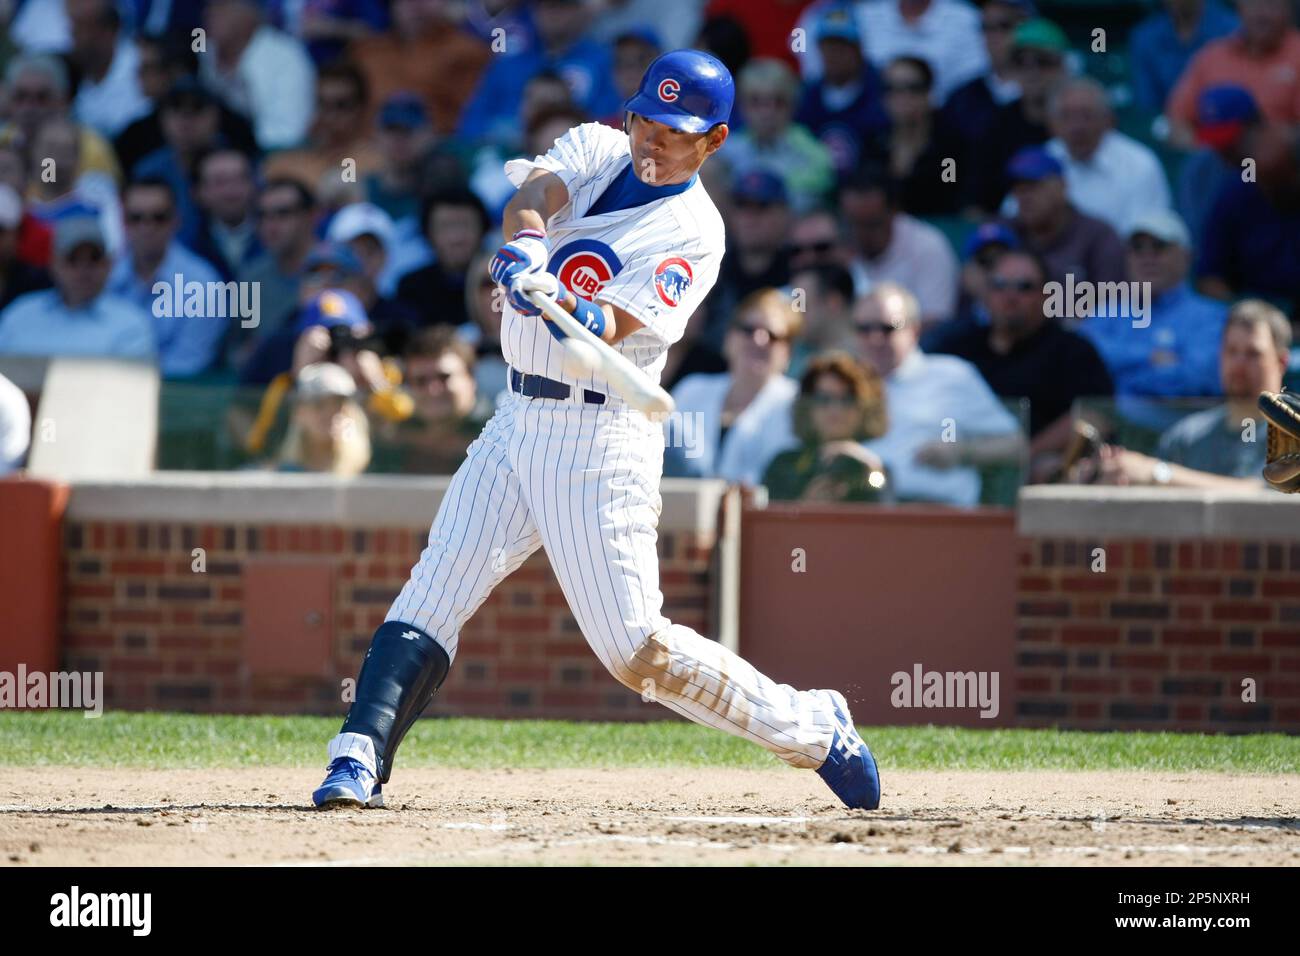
[51, 816]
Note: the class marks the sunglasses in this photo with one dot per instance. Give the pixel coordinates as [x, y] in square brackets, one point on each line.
[821, 246]
[884, 328]
[85, 257]
[759, 334]
[1012, 285]
[999, 26]
[828, 400]
[156, 218]
[916, 86]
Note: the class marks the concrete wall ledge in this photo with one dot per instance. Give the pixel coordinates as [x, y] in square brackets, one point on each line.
[371, 501]
[1083, 510]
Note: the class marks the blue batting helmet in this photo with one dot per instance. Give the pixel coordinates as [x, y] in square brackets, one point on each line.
[686, 89]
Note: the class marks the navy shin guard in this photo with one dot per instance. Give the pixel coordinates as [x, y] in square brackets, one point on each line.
[401, 672]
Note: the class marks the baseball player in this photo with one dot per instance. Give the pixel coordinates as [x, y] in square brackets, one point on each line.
[617, 227]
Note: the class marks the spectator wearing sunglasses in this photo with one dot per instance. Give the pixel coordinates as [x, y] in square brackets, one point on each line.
[756, 257]
[78, 316]
[187, 344]
[1025, 354]
[1038, 52]
[1174, 351]
[733, 423]
[449, 410]
[925, 394]
[924, 156]
[983, 247]
[970, 109]
[286, 212]
[944, 33]
[841, 404]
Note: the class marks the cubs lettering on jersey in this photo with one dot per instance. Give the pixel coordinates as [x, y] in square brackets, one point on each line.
[656, 262]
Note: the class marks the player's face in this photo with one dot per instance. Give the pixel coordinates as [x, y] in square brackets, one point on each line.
[663, 156]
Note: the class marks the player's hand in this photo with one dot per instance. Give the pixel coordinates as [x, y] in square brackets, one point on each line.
[526, 252]
[542, 282]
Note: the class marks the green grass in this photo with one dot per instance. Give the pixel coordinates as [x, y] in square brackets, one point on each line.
[64, 738]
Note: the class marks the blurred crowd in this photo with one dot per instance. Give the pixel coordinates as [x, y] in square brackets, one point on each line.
[924, 202]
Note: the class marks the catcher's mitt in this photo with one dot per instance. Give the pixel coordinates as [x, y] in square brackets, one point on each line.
[1282, 409]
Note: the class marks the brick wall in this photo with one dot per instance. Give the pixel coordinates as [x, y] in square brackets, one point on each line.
[167, 637]
[1162, 638]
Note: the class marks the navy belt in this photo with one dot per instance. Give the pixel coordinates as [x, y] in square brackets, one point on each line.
[539, 386]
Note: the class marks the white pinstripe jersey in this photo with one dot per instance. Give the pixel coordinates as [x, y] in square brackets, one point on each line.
[656, 262]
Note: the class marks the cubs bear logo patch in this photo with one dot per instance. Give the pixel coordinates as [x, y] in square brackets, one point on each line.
[672, 278]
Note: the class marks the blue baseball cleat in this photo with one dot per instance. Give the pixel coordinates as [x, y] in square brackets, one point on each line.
[348, 783]
[850, 769]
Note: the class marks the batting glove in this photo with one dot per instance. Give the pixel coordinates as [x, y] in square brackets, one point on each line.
[542, 282]
[526, 252]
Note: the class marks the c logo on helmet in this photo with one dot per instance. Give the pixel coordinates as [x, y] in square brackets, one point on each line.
[672, 278]
[668, 90]
[583, 267]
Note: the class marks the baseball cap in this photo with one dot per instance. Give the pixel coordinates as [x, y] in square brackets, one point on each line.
[334, 254]
[760, 185]
[77, 231]
[989, 234]
[1040, 34]
[1222, 114]
[1032, 164]
[837, 23]
[361, 219]
[325, 378]
[1162, 224]
[403, 111]
[11, 207]
[330, 308]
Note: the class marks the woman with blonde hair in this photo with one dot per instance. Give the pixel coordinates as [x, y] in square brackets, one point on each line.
[841, 404]
[729, 424]
[328, 430]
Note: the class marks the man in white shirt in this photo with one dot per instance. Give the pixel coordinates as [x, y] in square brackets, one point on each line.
[1108, 175]
[944, 421]
[261, 72]
[109, 96]
[892, 246]
[944, 33]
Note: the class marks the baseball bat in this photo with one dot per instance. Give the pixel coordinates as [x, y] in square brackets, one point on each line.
[632, 384]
